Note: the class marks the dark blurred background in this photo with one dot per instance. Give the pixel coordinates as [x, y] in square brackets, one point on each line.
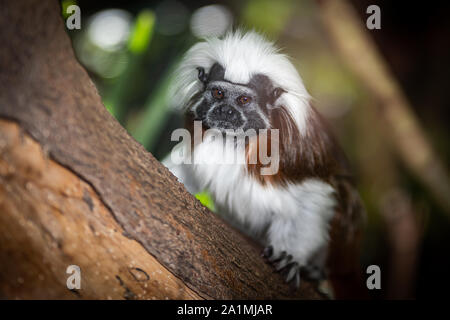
[130, 49]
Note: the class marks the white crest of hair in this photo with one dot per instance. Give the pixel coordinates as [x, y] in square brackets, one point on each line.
[293, 218]
[242, 55]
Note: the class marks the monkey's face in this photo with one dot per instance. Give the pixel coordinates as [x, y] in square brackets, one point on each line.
[225, 105]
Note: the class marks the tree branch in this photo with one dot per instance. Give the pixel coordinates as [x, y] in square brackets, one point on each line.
[75, 188]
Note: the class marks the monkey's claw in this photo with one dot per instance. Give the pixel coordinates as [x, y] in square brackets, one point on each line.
[293, 274]
[277, 259]
[267, 252]
[283, 263]
[272, 258]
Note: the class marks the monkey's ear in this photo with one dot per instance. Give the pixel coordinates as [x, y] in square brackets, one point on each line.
[277, 92]
[202, 74]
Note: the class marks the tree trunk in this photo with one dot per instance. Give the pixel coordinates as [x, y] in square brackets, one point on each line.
[76, 189]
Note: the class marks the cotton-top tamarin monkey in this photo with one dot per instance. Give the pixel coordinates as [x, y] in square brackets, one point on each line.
[307, 213]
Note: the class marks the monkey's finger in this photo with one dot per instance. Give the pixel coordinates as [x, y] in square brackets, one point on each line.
[267, 252]
[294, 269]
[275, 259]
[283, 263]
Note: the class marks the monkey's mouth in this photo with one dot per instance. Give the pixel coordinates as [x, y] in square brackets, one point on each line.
[221, 124]
[224, 117]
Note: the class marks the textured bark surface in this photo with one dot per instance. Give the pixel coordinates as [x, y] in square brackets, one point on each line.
[75, 188]
[50, 219]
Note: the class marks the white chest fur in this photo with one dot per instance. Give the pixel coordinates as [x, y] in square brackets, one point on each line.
[292, 218]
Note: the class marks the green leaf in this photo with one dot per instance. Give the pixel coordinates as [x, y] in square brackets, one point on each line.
[142, 32]
[206, 200]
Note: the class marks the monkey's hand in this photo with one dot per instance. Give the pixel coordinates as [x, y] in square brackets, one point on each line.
[293, 270]
[283, 263]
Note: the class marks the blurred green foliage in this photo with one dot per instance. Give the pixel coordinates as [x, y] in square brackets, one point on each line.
[142, 32]
[138, 44]
[64, 5]
[267, 16]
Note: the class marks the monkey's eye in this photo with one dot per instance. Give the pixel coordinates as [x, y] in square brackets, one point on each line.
[217, 93]
[244, 100]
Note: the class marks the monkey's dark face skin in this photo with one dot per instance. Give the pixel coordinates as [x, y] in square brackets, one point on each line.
[225, 105]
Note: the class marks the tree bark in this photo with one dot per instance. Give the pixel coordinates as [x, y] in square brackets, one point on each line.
[76, 189]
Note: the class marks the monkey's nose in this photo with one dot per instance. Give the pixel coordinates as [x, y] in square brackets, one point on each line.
[226, 109]
[225, 112]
